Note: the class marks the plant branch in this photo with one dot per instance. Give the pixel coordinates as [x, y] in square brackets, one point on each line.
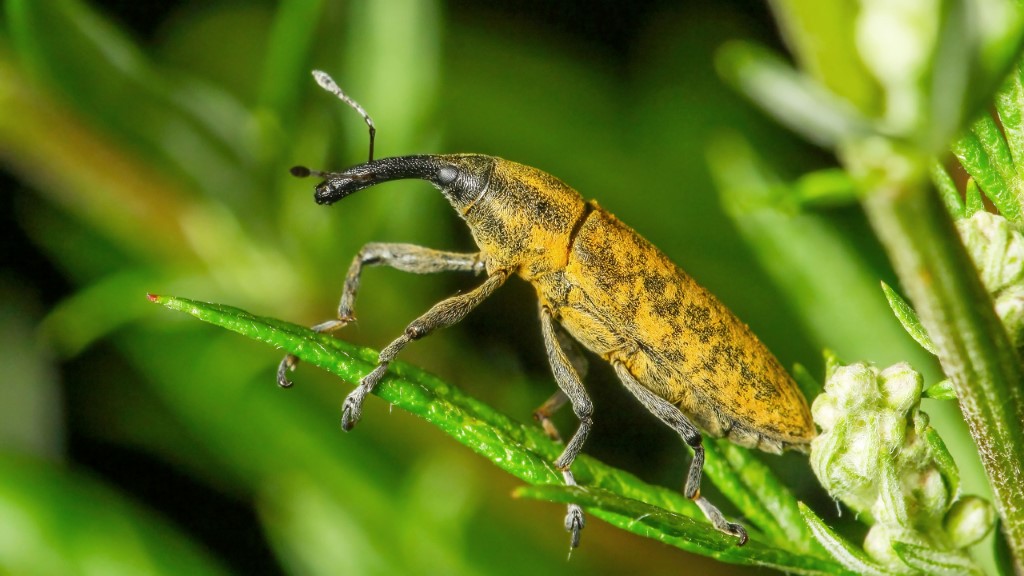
[970, 341]
[525, 451]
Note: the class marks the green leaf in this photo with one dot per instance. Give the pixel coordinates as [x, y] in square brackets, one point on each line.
[930, 561]
[850, 556]
[793, 99]
[823, 39]
[942, 390]
[1009, 105]
[808, 384]
[973, 202]
[728, 479]
[679, 531]
[908, 318]
[947, 190]
[829, 187]
[523, 451]
[1005, 195]
[943, 459]
[291, 38]
[975, 159]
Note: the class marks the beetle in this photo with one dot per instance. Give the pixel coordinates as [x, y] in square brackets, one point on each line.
[675, 347]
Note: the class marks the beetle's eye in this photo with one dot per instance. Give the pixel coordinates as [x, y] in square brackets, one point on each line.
[447, 175]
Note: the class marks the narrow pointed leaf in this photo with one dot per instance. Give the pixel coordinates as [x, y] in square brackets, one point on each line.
[975, 160]
[792, 98]
[908, 318]
[850, 556]
[973, 203]
[1010, 107]
[944, 460]
[1004, 196]
[947, 190]
[524, 451]
[929, 561]
[808, 384]
[942, 390]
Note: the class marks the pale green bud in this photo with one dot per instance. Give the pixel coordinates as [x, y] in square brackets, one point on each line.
[878, 545]
[969, 520]
[901, 387]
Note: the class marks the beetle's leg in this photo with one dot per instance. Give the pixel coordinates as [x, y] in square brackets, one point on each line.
[558, 399]
[543, 414]
[571, 385]
[441, 315]
[674, 417]
[405, 257]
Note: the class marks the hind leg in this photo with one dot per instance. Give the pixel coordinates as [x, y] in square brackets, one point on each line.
[671, 415]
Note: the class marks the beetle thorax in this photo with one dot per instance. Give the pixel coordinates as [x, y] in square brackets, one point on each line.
[525, 220]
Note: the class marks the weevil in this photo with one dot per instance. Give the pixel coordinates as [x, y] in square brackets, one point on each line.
[675, 347]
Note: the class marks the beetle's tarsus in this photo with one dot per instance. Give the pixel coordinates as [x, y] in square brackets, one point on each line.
[331, 325]
[574, 524]
[739, 532]
[287, 364]
[352, 409]
[718, 521]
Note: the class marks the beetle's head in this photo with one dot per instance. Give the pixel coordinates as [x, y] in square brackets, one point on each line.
[462, 178]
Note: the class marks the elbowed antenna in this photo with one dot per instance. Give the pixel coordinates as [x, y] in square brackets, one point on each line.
[327, 83]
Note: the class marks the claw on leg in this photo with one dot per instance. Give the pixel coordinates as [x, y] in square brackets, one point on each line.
[719, 522]
[287, 364]
[574, 524]
[352, 409]
[290, 361]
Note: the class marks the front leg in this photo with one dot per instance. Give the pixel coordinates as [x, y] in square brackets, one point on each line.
[443, 314]
[405, 257]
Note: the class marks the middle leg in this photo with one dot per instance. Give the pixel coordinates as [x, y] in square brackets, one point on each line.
[572, 388]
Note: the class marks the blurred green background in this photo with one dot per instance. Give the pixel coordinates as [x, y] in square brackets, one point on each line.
[145, 148]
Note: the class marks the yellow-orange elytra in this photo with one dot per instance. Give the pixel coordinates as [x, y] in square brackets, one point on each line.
[680, 351]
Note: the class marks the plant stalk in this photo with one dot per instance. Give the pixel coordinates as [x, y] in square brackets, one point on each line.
[970, 341]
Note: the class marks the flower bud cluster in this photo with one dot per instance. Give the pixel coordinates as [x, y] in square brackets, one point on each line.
[878, 454]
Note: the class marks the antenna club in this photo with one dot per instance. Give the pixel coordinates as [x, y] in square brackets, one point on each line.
[300, 171]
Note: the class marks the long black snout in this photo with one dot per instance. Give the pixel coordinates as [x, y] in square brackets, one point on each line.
[461, 177]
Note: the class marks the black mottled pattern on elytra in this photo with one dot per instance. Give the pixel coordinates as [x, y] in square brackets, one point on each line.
[619, 296]
[685, 345]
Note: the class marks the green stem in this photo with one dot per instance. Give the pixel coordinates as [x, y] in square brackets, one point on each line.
[970, 342]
